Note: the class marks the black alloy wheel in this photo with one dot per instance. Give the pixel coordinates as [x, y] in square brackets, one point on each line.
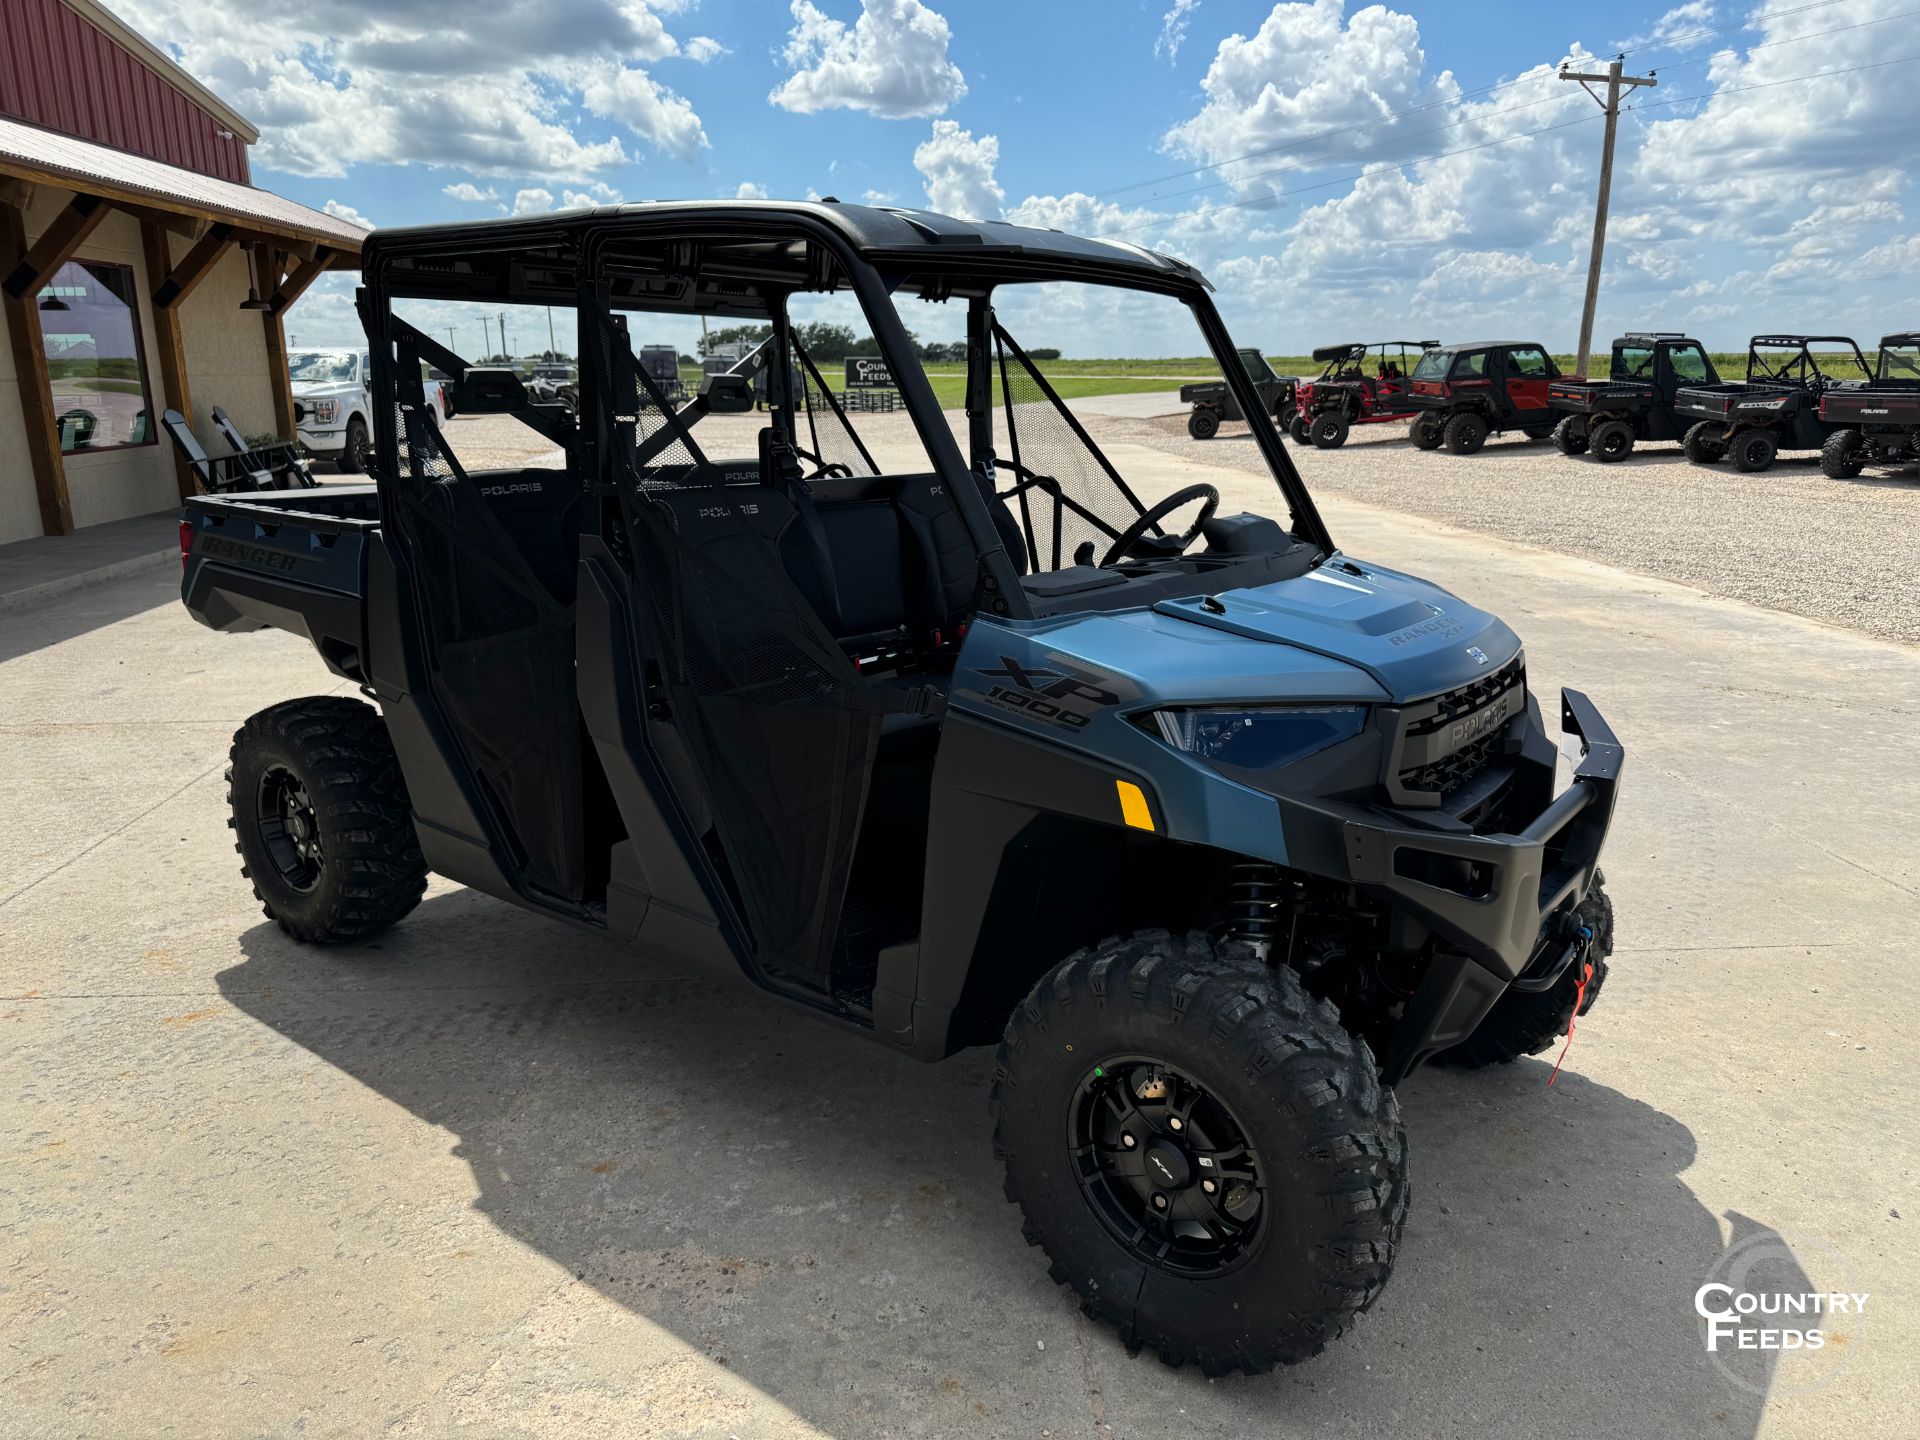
[1166, 1167]
[289, 827]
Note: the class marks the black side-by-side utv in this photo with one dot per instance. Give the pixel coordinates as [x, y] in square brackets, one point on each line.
[1879, 423]
[1777, 407]
[1635, 402]
[1217, 832]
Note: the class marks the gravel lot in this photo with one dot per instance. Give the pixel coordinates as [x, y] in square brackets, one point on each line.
[1839, 551]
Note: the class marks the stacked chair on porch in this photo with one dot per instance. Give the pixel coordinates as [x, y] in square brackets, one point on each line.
[278, 465]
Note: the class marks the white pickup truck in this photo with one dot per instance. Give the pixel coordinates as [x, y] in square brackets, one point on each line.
[330, 404]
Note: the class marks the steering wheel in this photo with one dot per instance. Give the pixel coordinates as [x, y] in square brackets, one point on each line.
[1137, 531]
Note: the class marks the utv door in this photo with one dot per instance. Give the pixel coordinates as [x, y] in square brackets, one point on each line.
[758, 734]
[1528, 373]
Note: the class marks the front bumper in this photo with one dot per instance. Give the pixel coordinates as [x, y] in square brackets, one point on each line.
[1495, 901]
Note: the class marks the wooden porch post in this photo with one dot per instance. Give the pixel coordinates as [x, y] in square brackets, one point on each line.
[176, 392]
[36, 387]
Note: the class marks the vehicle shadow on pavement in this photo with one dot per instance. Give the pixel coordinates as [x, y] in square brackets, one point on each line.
[827, 1215]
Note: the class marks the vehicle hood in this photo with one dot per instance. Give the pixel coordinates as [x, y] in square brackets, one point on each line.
[1413, 638]
[324, 389]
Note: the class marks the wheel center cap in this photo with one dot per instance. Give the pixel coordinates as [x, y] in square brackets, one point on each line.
[1167, 1165]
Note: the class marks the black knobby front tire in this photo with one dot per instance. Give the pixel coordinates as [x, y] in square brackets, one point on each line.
[1331, 1149]
[322, 821]
[1283, 416]
[1753, 451]
[1526, 1024]
[1203, 423]
[1703, 444]
[1611, 440]
[1841, 457]
[1328, 431]
[1426, 433]
[1538, 432]
[1465, 434]
[1570, 436]
[354, 451]
[1298, 428]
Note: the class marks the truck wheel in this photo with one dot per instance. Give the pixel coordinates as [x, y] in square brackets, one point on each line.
[1753, 450]
[1611, 440]
[1840, 457]
[1328, 431]
[1203, 423]
[1703, 445]
[353, 455]
[1465, 434]
[322, 820]
[1525, 1024]
[1570, 436]
[1298, 428]
[1426, 433]
[1205, 1155]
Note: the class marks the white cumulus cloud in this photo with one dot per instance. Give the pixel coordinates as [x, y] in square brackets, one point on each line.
[1173, 29]
[469, 192]
[348, 214]
[533, 201]
[892, 61]
[958, 170]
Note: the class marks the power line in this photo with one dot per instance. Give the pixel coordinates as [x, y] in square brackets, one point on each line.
[1752, 22]
[1523, 135]
[1791, 39]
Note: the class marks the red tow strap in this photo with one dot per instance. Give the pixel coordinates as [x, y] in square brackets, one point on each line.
[1579, 999]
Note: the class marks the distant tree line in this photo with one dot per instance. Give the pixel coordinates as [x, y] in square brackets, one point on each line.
[827, 342]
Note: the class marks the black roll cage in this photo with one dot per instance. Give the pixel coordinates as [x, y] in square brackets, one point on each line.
[537, 258]
[1803, 369]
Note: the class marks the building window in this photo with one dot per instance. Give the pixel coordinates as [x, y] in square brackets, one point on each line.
[90, 325]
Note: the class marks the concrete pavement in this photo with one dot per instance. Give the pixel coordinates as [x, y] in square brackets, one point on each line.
[489, 1176]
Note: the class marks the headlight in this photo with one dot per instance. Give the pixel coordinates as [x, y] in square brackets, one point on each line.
[323, 410]
[1259, 738]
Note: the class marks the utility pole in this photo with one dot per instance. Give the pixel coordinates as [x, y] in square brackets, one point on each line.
[486, 341]
[553, 347]
[1615, 82]
[505, 351]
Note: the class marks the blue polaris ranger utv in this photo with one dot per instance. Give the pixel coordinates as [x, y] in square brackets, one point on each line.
[934, 726]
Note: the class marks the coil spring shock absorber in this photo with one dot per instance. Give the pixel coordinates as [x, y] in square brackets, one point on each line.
[1253, 906]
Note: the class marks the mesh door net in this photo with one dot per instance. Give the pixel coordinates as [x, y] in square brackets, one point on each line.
[502, 656]
[1068, 494]
[780, 728]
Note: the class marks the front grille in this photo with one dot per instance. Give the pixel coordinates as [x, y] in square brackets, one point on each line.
[1437, 771]
[1469, 698]
[1450, 772]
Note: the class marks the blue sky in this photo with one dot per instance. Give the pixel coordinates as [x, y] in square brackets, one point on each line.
[1753, 191]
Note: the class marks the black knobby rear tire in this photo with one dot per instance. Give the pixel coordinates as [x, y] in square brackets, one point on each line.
[1426, 432]
[1753, 451]
[1703, 444]
[1538, 432]
[1328, 431]
[322, 821]
[1525, 1024]
[1611, 440]
[1465, 434]
[1203, 423]
[1330, 1148]
[1840, 457]
[1570, 436]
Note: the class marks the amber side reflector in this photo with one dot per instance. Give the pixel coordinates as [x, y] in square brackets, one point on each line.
[1133, 805]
